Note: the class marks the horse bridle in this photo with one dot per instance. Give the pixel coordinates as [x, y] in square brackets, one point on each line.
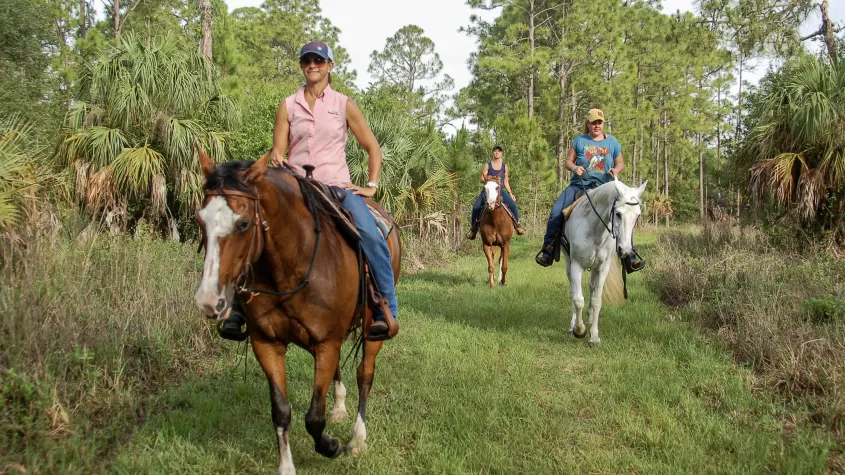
[498, 198]
[610, 229]
[259, 236]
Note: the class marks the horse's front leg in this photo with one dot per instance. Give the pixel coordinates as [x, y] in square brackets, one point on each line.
[488, 251]
[366, 372]
[339, 410]
[575, 272]
[271, 356]
[325, 363]
[503, 263]
[597, 278]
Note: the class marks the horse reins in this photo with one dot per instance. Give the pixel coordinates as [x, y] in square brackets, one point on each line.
[610, 230]
[256, 236]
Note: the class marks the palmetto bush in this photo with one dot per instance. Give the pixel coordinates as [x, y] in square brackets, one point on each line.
[414, 184]
[25, 175]
[129, 138]
[795, 148]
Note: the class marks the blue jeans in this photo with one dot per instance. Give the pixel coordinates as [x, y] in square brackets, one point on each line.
[478, 207]
[375, 248]
[566, 198]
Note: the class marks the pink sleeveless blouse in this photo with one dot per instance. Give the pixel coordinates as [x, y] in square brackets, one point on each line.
[318, 137]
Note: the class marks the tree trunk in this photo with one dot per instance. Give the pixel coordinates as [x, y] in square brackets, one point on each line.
[738, 103]
[561, 122]
[701, 193]
[83, 23]
[563, 77]
[665, 155]
[205, 42]
[829, 34]
[531, 65]
[116, 18]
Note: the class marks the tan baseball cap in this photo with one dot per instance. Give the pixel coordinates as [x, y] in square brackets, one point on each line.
[594, 115]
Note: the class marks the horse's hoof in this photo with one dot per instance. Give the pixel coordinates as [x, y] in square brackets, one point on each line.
[596, 342]
[356, 450]
[579, 334]
[335, 448]
[338, 414]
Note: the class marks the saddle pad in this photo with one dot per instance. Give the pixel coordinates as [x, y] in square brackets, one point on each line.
[566, 212]
[383, 223]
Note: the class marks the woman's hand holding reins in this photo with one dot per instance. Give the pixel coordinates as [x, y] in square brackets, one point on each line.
[578, 170]
[366, 192]
[276, 160]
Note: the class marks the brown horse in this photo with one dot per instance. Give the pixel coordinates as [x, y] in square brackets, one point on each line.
[259, 232]
[496, 228]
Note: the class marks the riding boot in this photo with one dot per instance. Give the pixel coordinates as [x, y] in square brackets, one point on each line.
[472, 232]
[230, 329]
[633, 263]
[544, 257]
[519, 229]
[379, 330]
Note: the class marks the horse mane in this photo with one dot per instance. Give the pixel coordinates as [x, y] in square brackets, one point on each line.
[229, 176]
[605, 193]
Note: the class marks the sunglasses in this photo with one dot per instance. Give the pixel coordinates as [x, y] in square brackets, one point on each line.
[312, 59]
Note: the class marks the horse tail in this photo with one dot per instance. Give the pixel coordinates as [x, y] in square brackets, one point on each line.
[612, 293]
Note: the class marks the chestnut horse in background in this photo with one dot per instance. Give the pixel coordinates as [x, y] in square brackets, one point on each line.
[259, 233]
[496, 229]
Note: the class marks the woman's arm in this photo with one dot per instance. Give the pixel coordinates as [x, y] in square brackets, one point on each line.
[508, 184]
[484, 171]
[281, 133]
[570, 162]
[362, 132]
[618, 166]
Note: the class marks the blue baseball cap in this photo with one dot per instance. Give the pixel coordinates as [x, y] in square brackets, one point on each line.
[319, 48]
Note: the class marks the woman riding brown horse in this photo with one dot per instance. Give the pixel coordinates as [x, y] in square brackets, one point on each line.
[496, 229]
[258, 231]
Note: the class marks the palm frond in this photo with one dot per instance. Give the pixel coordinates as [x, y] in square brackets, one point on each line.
[135, 167]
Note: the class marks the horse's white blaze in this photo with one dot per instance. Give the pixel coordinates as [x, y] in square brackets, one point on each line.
[359, 436]
[492, 193]
[285, 458]
[219, 221]
[339, 409]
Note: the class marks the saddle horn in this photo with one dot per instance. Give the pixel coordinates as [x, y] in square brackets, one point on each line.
[309, 171]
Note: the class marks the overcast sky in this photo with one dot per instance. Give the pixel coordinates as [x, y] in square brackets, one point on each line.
[365, 25]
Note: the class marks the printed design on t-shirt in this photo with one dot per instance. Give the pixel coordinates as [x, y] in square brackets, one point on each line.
[595, 155]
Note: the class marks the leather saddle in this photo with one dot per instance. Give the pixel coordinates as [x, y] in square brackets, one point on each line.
[330, 199]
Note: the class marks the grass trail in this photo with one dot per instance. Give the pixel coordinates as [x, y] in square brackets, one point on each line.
[483, 381]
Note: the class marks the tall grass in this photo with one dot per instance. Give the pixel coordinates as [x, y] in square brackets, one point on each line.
[781, 309]
[89, 330]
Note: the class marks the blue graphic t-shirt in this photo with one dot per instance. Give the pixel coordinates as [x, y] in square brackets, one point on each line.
[597, 157]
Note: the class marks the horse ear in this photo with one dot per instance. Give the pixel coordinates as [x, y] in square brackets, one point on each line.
[256, 171]
[641, 189]
[620, 188]
[206, 163]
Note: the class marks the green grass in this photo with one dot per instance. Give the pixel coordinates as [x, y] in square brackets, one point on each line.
[482, 381]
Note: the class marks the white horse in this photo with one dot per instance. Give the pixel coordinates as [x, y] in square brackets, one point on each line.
[599, 229]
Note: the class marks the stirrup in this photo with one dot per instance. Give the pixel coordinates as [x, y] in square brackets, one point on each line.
[631, 266]
[379, 331]
[544, 257]
[230, 329]
[471, 234]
